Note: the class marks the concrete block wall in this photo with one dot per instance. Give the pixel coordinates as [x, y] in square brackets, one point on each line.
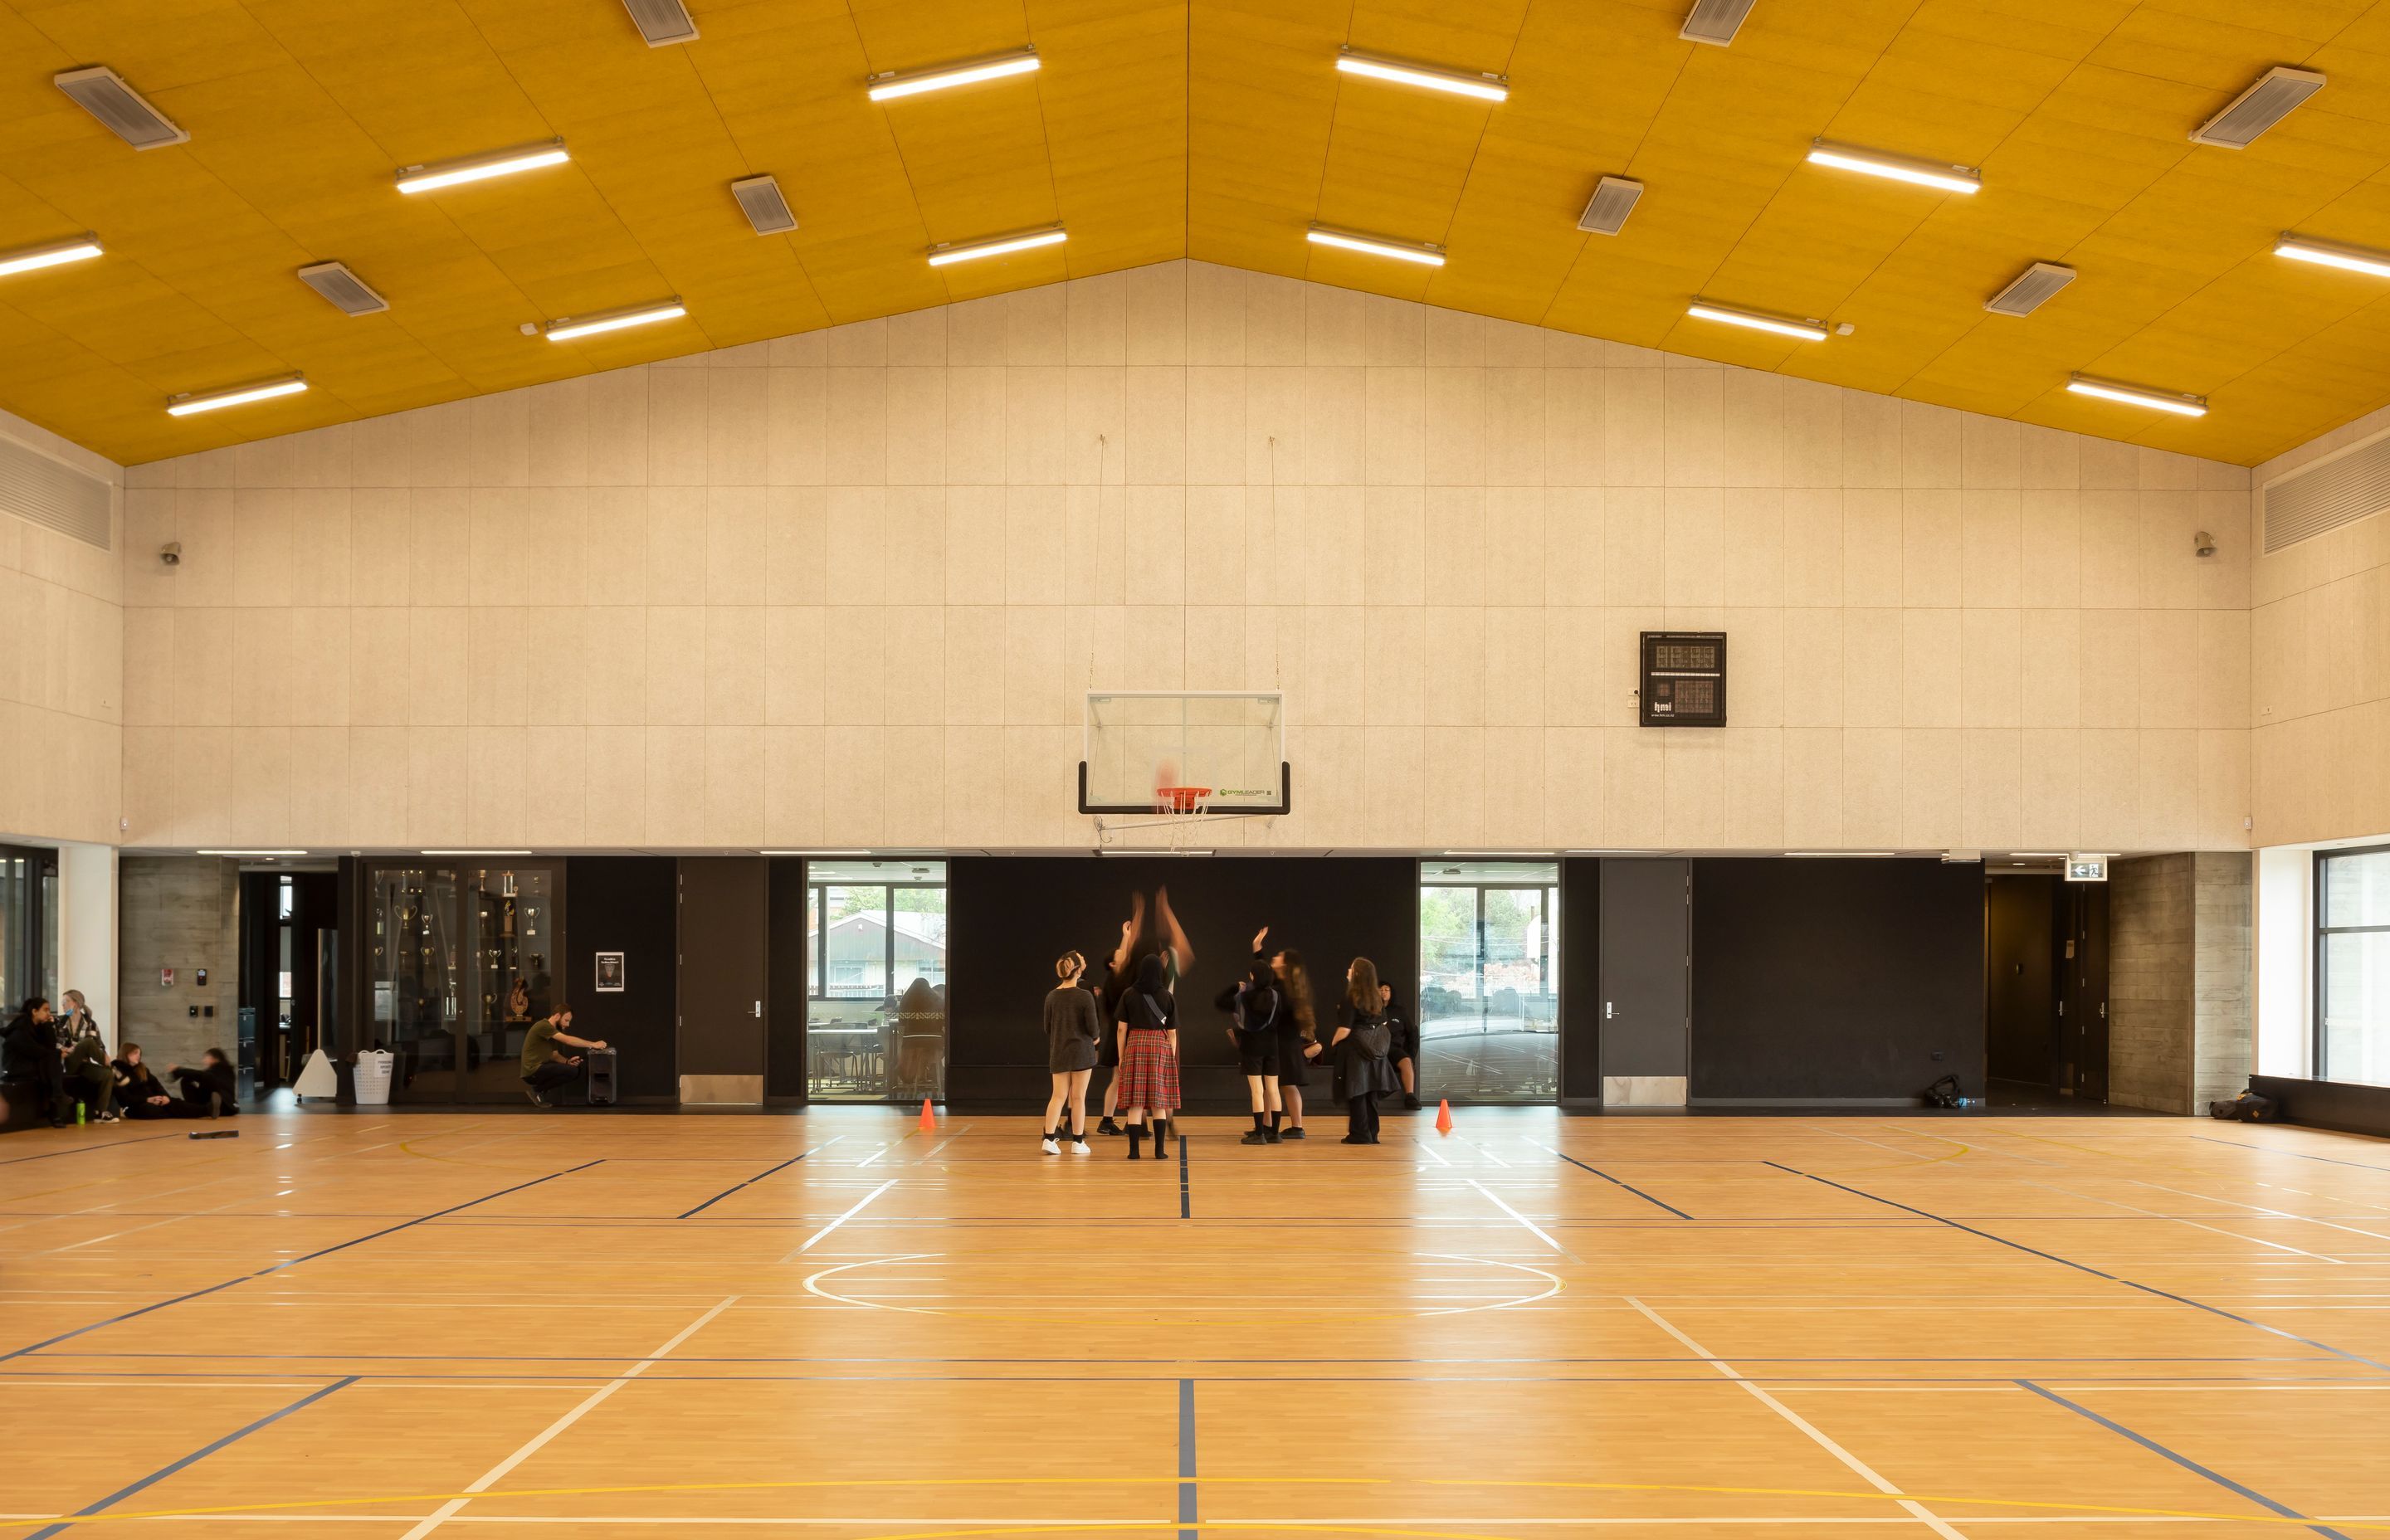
[2178, 980]
[183, 912]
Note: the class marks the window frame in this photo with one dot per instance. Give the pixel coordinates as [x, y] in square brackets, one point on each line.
[2319, 1061]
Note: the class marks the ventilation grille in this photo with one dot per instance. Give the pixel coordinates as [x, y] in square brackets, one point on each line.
[345, 289]
[662, 21]
[1715, 21]
[34, 486]
[2353, 485]
[759, 199]
[102, 93]
[2258, 108]
[1614, 200]
[2026, 291]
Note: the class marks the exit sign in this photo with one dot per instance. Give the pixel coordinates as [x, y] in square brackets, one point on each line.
[2086, 869]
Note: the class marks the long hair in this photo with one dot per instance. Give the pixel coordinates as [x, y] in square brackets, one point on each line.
[1361, 988]
[1298, 994]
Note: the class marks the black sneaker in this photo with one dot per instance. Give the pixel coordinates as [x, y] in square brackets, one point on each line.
[1410, 1102]
[1354, 1138]
[537, 1099]
[1108, 1126]
[1289, 1133]
[1255, 1136]
[1270, 1136]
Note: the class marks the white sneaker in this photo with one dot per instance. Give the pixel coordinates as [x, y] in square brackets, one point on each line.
[1081, 1148]
[1050, 1147]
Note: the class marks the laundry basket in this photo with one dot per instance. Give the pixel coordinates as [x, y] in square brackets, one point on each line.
[374, 1068]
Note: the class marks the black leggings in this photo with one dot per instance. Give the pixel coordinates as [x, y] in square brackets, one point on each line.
[1361, 1117]
[553, 1075]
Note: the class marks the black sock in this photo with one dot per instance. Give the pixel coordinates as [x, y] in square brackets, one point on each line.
[1136, 1138]
[1275, 1117]
[1257, 1121]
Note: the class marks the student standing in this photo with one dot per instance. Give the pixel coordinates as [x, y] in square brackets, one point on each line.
[1405, 1054]
[1253, 1003]
[1361, 1045]
[1072, 1033]
[1298, 1034]
[1149, 1072]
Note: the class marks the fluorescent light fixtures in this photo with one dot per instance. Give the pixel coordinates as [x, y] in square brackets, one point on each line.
[102, 93]
[474, 853]
[817, 854]
[1714, 22]
[190, 402]
[481, 168]
[1485, 88]
[1613, 198]
[1500, 854]
[1421, 252]
[1840, 854]
[760, 200]
[1132, 850]
[888, 86]
[258, 854]
[2323, 253]
[25, 259]
[946, 253]
[2134, 395]
[2267, 102]
[1896, 168]
[1808, 331]
[571, 327]
[662, 22]
[343, 290]
[2030, 289]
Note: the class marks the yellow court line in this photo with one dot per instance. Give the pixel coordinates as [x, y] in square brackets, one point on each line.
[1681, 1488]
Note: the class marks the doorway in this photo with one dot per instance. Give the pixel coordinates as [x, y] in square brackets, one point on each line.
[2045, 990]
[289, 975]
[1489, 980]
[876, 980]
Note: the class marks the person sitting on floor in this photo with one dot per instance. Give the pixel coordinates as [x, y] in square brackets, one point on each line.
[30, 1053]
[137, 1091]
[545, 1067]
[210, 1091]
[89, 1078]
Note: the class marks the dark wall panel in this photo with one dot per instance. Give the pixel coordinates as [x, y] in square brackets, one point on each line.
[2323, 1104]
[1013, 916]
[626, 903]
[1835, 980]
[784, 1004]
[2020, 990]
[1581, 980]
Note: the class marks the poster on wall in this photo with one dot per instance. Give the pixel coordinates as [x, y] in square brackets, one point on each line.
[609, 973]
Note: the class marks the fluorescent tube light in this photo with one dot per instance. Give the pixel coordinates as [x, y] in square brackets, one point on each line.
[1486, 88]
[948, 252]
[814, 852]
[2133, 395]
[1108, 850]
[249, 852]
[1923, 173]
[571, 327]
[1784, 325]
[1421, 252]
[1839, 854]
[2038, 854]
[888, 86]
[475, 853]
[25, 259]
[207, 401]
[2355, 259]
[481, 168]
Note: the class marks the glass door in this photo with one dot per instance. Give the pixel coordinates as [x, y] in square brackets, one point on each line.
[1489, 980]
[461, 960]
[876, 980]
[414, 961]
[515, 918]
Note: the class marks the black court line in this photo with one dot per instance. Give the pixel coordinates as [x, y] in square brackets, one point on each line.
[1188, 1511]
[194, 1458]
[293, 1262]
[1615, 1182]
[2082, 1267]
[748, 1183]
[87, 1149]
[2154, 1447]
[2261, 1150]
[1186, 1199]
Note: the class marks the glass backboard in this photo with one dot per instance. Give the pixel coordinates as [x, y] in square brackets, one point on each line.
[1219, 751]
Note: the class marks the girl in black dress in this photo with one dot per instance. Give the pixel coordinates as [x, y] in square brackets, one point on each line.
[1255, 1003]
[1072, 1033]
[1298, 1034]
[1360, 1047]
[1404, 1055]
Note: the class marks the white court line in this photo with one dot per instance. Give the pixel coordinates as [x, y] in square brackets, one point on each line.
[1857, 1467]
[1012, 1521]
[873, 1156]
[815, 1238]
[1489, 1155]
[499, 1471]
[943, 1143]
[1514, 1213]
[1435, 1152]
[2259, 1208]
[2177, 1219]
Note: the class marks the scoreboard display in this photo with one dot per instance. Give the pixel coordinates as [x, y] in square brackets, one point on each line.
[1684, 679]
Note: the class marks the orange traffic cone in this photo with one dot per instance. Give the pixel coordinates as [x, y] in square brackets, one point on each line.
[1444, 1117]
[928, 1118]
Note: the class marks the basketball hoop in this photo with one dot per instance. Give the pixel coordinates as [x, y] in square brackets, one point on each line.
[1169, 800]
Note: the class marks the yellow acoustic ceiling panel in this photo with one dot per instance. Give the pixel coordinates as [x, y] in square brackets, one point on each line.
[1216, 129]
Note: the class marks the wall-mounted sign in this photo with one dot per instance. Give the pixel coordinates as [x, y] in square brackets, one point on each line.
[165, 978]
[203, 977]
[1683, 676]
[2086, 869]
[609, 973]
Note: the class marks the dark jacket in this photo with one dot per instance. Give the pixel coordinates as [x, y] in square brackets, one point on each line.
[1363, 1068]
[28, 1048]
[200, 1079]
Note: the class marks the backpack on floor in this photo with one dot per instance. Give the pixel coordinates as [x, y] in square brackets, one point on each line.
[1941, 1093]
[2248, 1107]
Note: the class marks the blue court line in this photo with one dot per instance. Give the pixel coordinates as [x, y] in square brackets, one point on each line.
[1188, 1511]
[2261, 1150]
[190, 1459]
[748, 1183]
[2154, 1447]
[2081, 1267]
[1615, 1182]
[1186, 1199]
[219, 1288]
[113, 1144]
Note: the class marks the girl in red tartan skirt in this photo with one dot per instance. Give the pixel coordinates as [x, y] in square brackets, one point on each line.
[1148, 1071]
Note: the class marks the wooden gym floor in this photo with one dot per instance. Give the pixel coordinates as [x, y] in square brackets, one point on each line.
[836, 1326]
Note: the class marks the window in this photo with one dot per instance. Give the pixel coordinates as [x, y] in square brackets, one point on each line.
[29, 924]
[2353, 967]
[1489, 980]
[876, 979]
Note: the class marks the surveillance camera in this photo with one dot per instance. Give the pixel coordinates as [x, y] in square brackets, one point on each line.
[2203, 544]
[170, 553]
